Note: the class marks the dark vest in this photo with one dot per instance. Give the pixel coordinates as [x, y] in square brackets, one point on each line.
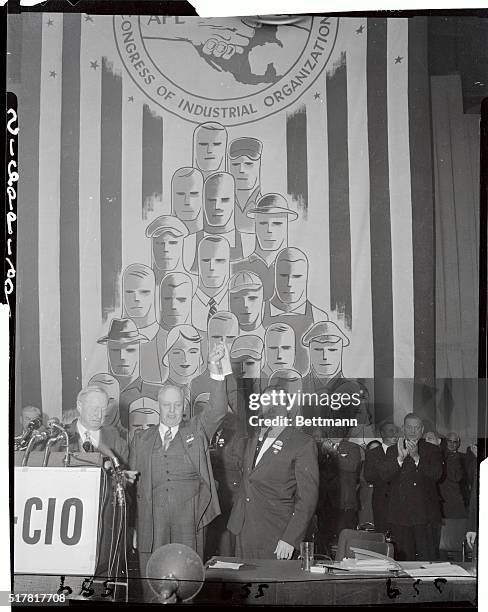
[174, 478]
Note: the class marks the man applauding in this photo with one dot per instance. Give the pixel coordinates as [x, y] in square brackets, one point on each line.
[413, 467]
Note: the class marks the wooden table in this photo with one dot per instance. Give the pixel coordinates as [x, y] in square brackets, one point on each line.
[284, 583]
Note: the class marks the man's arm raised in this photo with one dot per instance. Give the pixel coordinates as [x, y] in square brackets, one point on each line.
[218, 367]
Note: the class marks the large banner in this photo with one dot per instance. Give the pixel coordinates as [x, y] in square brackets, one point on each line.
[185, 180]
[56, 520]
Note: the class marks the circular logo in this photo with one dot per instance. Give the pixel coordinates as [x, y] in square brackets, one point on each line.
[233, 70]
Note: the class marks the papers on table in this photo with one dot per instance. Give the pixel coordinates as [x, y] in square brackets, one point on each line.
[368, 565]
[435, 570]
[225, 565]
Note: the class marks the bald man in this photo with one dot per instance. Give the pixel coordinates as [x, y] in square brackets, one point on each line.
[413, 467]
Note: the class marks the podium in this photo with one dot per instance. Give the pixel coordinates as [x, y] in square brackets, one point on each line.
[66, 522]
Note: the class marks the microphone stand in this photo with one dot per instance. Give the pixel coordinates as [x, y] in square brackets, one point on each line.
[47, 450]
[34, 439]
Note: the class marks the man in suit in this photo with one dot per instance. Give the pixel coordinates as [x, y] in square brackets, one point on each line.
[381, 489]
[87, 433]
[413, 467]
[279, 491]
[176, 493]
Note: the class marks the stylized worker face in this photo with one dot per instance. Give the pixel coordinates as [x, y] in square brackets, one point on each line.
[271, 231]
[280, 349]
[138, 294]
[142, 418]
[219, 199]
[175, 299]
[291, 280]
[184, 357]
[28, 414]
[187, 196]
[246, 367]
[326, 357]
[167, 250]
[413, 428]
[246, 172]
[209, 148]
[222, 330]
[171, 406]
[247, 305]
[92, 408]
[123, 359]
[214, 263]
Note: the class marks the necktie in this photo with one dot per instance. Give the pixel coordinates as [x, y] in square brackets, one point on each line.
[212, 308]
[262, 437]
[87, 444]
[167, 439]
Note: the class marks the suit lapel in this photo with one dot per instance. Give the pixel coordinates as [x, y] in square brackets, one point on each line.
[268, 453]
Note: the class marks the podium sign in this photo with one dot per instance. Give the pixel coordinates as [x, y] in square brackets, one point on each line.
[55, 519]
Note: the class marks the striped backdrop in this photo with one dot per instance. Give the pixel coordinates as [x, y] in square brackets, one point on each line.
[353, 155]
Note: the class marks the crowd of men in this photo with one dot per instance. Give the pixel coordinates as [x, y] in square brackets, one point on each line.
[223, 312]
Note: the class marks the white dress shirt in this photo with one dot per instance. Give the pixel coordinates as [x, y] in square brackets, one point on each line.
[94, 436]
[164, 428]
[272, 435]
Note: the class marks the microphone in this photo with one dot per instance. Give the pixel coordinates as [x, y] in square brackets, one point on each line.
[34, 424]
[117, 471]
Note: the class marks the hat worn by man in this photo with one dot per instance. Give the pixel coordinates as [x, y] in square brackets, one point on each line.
[272, 204]
[327, 331]
[166, 223]
[122, 332]
[244, 280]
[246, 146]
[247, 346]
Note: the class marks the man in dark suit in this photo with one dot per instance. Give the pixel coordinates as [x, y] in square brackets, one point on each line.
[279, 491]
[413, 467]
[381, 489]
[176, 492]
[87, 433]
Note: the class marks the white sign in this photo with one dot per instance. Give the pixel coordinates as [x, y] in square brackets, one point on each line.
[56, 520]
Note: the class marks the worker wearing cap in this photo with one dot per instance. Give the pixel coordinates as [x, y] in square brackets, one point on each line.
[325, 342]
[247, 302]
[143, 413]
[123, 350]
[271, 215]
[167, 234]
[245, 166]
[290, 303]
[246, 360]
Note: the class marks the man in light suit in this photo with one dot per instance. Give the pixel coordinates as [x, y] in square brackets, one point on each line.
[176, 493]
[279, 491]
